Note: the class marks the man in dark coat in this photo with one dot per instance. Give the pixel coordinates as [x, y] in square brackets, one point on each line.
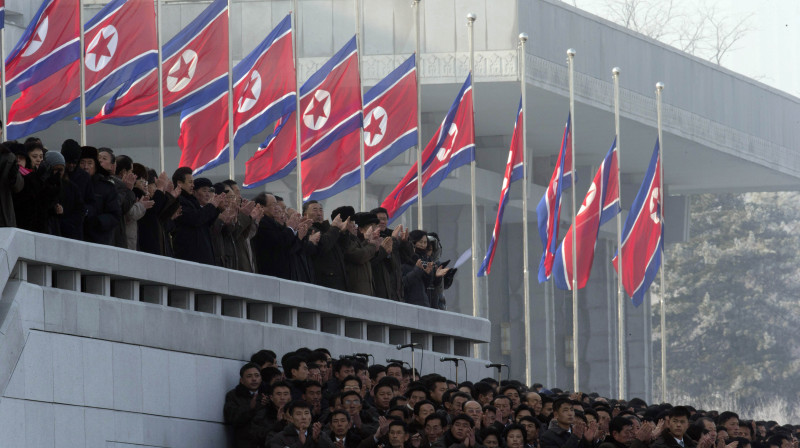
[192, 234]
[569, 432]
[124, 190]
[675, 434]
[103, 213]
[388, 271]
[244, 406]
[360, 249]
[273, 240]
[300, 433]
[71, 151]
[328, 260]
[152, 236]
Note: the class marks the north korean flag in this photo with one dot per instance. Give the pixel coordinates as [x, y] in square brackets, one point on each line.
[643, 235]
[600, 204]
[452, 146]
[390, 128]
[277, 156]
[120, 43]
[264, 86]
[330, 101]
[548, 212]
[514, 171]
[50, 42]
[194, 59]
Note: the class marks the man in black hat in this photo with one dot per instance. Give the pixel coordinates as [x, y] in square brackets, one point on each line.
[71, 151]
[104, 213]
[192, 237]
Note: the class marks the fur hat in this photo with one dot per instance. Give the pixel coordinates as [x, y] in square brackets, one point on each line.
[344, 211]
[364, 219]
[90, 152]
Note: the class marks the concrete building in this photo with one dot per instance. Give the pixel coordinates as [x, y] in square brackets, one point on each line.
[722, 132]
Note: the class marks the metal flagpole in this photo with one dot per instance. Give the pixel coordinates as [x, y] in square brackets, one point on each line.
[82, 73]
[362, 169]
[160, 73]
[3, 75]
[231, 155]
[576, 369]
[419, 115]
[298, 132]
[659, 88]
[475, 307]
[623, 369]
[523, 38]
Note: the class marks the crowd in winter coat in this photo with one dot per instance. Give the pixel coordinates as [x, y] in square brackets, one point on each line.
[93, 195]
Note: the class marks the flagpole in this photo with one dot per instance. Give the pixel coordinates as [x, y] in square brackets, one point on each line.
[621, 352]
[298, 131]
[362, 170]
[3, 76]
[659, 88]
[523, 38]
[419, 115]
[472, 168]
[231, 155]
[576, 369]
[160, 72]
[82, 74]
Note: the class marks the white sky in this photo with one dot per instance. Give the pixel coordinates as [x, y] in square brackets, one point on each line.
[769, 52]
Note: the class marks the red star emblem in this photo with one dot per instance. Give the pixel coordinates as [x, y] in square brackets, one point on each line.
[183, 69]
[374, 127]
[248, 93]
[317, 109]
[450, 141]
[101, 49]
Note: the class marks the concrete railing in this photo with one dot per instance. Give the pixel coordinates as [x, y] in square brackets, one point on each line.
[71, 265]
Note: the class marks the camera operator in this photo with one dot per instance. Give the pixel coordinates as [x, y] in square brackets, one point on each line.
[422, 275]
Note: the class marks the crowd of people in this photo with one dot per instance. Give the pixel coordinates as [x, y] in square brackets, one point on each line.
[92, 194]
[316, 402]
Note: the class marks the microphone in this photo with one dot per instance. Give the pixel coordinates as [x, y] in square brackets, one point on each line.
[443, 359]
[495, 365]
[395, 361]
[363, 355]
[402, 346]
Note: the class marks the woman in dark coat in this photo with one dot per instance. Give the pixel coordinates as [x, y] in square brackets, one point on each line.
[104, 215]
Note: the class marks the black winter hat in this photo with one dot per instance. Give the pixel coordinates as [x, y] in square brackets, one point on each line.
[344, 211]
[71, 150]
[90, 152]
[364, 219]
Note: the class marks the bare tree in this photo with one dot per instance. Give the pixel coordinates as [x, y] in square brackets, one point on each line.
[699, 29]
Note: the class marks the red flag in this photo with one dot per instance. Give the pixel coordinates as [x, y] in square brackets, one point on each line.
[390, 127]
[600, 204]
[643, 236]
[514, 171]
[50, 42]
[120, 42]
[548, 211]
[330, 102]
[263, 87]
[193, 60]
[452, 146]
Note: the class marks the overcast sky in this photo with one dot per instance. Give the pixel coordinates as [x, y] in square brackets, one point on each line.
[770, 50]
